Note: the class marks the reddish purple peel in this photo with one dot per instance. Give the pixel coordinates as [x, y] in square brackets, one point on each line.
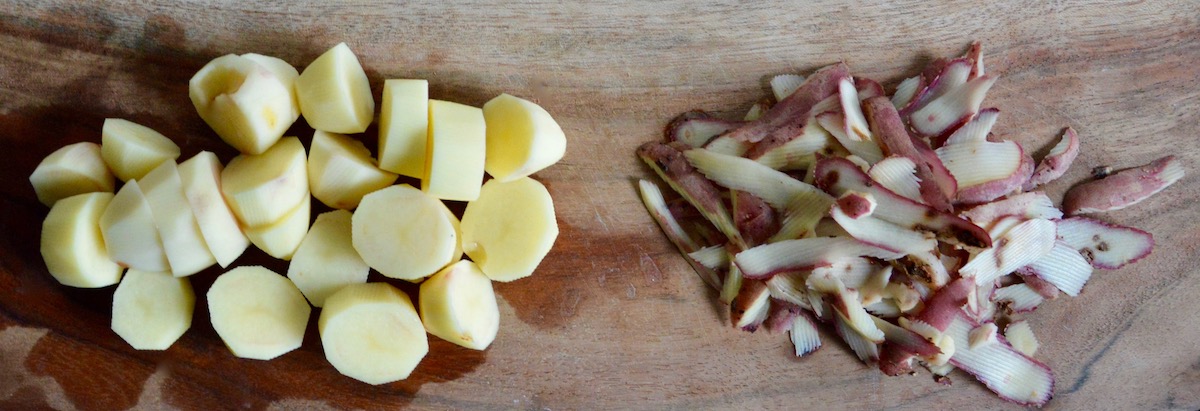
[668, 161]
[1026, 205]
[749, 309]
[975, 55]
[867, 88]
[653, 199]
[991, 190]
[695, 128]
[838, 176]
[1007, 372]
[781, 316]
[937, 185]
[1124, 188]
[905, 340]
[764, 261]
[1037, 284]
[855, 205]
[894, 361]
[1056, 163]
[754, 218]
[1106, 246]
[946, 304]
[787, 117]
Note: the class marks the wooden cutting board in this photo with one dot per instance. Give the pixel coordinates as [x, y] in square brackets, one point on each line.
[614, 318]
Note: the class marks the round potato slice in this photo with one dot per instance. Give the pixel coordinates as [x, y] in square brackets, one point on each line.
[258, 314]
[404, 233]
[510, 228]
[371, 333]
[151, 311]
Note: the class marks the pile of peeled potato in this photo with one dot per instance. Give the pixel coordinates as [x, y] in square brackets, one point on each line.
[170, 220]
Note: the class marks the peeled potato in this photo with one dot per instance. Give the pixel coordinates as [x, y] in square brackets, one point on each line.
[248, 100]
[326, 260]
[341, 171]
[201, 177]
[404, 233]
[280, 240]
[371, 333]
[334, 93]
[72, 245]
[455, 155]
[131, 150]
[510, 228]
[259, 314]
[459, 306]
[129, 231]
[522, 138]
[152, 310]
[186, 251]
[74, 169]
[262, 188]
[404, 127]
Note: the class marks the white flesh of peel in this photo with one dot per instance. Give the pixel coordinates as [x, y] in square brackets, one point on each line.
[898, 174]
[1029, 205]
[857, 317]
[854, 272]
[1007, 372]
[756, 312]
[732, 284]
[1020, 335]
[756, 111]
[952, 77]
[713, 257]
[772, 186]
[982, 335]
[1064, 267]
[1023, 244]
[905, 91]
[784, 85]
[789, 287]
[804, 335]
[953, 107]
[798, 153]
[883, 234]
[866, 350]
[1105, 245]
[764, 260]
[975, 130]
[728, 146]
[978, 162]
[834, 123]
[856, 123]
[1019, 297]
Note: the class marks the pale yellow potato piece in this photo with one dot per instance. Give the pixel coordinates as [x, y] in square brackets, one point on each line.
[261, 189]
[280, 240]
[201, 176]
[510, 228]
[326, 260]
[371, 332]
[257, 313]
[404, 127]
[150, 311]
[456, 151]
[341, 171]
[404, 233]
[72, 245]
[522, 138]
[131, 150]
[248, 100]
[458, 305]
[129, 231]
[74, 169]
[186, 251]
[334, 93]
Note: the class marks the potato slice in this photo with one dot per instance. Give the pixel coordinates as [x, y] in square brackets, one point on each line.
[458, 305]
[186, 251]
[510, 228]
[72, 245]
[522, 138]
[74, 169]
[248, 100]
[404, 127]
[258, 314]
[326, 260]
[280, 240]
[404, 233]
[262, 188]
[201, 177]
[341, 171]
[371, 333]
[150, 311]
[334, 93]
[131, 150]
[129, 232]
[455, 156]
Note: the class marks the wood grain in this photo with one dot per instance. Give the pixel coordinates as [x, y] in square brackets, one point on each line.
[614, 318]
